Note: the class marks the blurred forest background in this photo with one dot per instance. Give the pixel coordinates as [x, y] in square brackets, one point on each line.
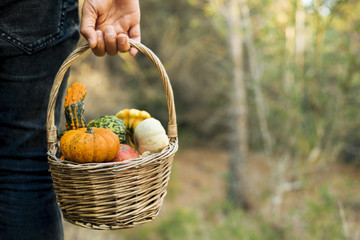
[267, 100]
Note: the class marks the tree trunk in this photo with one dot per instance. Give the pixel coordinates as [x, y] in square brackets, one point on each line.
[300, 39]
[239, 110]
[256, 71]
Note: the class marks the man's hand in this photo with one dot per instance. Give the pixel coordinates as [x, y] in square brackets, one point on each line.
[107, 25]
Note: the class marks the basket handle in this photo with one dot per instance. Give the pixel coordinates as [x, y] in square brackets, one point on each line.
[84, 47]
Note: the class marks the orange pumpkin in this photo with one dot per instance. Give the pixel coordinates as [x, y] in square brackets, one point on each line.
[89, 145]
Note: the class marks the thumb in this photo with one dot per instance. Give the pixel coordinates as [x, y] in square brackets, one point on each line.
[87, 28]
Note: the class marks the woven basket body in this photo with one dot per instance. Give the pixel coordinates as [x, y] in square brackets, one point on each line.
[113, 195]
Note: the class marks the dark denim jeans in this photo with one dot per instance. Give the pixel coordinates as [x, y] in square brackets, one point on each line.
[35, 38]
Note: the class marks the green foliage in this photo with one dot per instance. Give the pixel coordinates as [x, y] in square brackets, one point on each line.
[322, 217]
[237, 225]
[320, 220]
[229, 223]
[312, 103]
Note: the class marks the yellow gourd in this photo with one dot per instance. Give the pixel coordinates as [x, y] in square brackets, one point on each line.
[132, 117]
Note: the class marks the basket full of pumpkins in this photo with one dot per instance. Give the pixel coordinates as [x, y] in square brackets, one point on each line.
[110, 173]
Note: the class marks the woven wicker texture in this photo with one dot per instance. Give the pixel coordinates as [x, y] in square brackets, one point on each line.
[113, 195]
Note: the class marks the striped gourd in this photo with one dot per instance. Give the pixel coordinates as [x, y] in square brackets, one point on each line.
[74, 106]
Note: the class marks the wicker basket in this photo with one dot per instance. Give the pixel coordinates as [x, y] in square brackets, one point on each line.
[113, 195]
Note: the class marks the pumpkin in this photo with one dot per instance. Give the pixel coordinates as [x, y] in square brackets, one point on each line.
[89, 145]
[132, 117]
[150, 136]
[74, 106]
[113, 123]
[126, 152]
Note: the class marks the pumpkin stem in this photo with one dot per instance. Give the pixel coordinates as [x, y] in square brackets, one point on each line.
[89, 130]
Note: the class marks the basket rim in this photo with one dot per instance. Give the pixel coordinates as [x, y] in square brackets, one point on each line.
[171, 149]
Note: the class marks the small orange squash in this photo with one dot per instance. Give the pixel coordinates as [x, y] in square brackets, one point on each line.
[89, 145]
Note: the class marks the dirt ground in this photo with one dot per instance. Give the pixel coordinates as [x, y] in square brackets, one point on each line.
[199, 179]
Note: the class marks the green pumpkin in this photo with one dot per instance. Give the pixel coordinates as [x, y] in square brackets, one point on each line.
[113, 123]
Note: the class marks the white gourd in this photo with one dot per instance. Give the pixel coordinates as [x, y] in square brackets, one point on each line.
[150, 136]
